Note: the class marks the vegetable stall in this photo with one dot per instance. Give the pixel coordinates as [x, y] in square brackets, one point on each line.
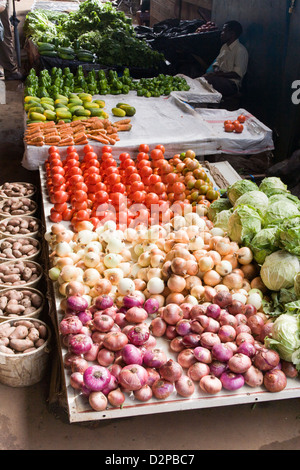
[169, 286]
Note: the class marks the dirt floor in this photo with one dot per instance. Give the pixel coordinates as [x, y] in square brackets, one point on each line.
[27, 422]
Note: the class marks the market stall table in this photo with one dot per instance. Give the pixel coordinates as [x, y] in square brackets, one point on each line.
[171, 121]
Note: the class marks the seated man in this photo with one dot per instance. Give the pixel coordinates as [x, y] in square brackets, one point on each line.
[143, 15]
[227, 71]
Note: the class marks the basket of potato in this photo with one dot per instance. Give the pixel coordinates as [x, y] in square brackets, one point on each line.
[24, 351]
[26, 226]
[17, 206]
[18, 189]
[20, 273]
[20, 302]
[25, 248]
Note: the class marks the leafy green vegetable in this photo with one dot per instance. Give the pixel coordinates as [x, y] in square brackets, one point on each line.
[244, 223]
[272, 185]
[279, 269]
[217, 206]
[240, 187]
[256, 199]
[265, 242]
[297, 285]
[285, 337]
[276, 305]
[278, 211]
[289, 235]
[222, 219]
[284, 197]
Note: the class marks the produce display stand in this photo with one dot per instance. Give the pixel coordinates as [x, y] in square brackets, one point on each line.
[78, 407]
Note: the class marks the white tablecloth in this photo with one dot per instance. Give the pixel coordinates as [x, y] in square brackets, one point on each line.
[175, 124]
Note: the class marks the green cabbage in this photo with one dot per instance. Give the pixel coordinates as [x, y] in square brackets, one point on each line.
[279, 269]
[240, 187]
[264, 243]
[256, 199]
[222, 218]
[278, 211]
[272, 185]
[244, 223]
[289, 235]
[284, 197]
[285, 336]
[297, 285]
[217, 206]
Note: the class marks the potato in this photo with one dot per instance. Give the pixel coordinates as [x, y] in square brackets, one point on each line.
[21, 344]
[6, 350]
[20, 332]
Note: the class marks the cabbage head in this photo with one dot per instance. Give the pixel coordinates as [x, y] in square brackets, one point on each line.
[238, 188]
[222, 219]
[289, 235]
[284, 197]
[256, 199]
[218, 206]
[244, 223]
[278, 211]
[264, 243]
[279, 269]
[272, 185]
[285, 336]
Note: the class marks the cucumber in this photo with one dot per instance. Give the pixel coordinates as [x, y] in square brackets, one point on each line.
[65, 56]
[45, 46]
[66, 50]
[48, 53]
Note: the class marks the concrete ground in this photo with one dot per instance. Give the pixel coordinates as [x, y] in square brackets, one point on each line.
[27, 422]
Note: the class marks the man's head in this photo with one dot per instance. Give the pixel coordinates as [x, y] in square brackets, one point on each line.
[231, 31]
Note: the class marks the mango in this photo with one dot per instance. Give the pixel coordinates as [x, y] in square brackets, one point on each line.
[118, 112]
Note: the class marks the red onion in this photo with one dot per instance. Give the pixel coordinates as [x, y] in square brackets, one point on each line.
[97, 337]
[97, 400]
[266, 331]
[80, 344]
[170, 332]
[79, 364]
[289, 369]
[162, 388]
[197, 310]
[151, 305]
[227, 319]
[198, 370]
[232, 345]
[191, 341]
[235, 307]
[85, 390]
[186, 309]
[185, 386]
[213, 325]
[275, 380]
[153, 375]
[176, 344]
[103, 323]
[144, 393]
[120, 319]
[133, 376]
[203, 354]
[154, 358]
[131, 354]
[171, 371]
[103, 301]
[214, 311]
[186, 358]
[256, 323]
[139, 334]
[105, 357]
[210, 384]
[223, 299]
[112, 385]
[76, 380]
[172, 313]
[85, 316]
[196, 326]
[242, 328]
[241, 318]
[183, 327]
[247, 348]
[249, 310]
[222, 352]
[115, 369]
[110, 311]
[136, 315]
[116, 397]
[241, 337]
[130, 301]
[217, 368]
[232, 381]
[115, 341]
[96, 377]
[266, 359]
[70, 325]
[239, 363]
[253, 377]
[77, 303]
[91, 355]
[227, 333]
[208, 339]
[158, 326]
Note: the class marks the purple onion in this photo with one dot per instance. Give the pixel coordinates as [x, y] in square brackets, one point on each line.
[130, 301]
[104, 301]
[247, 348]
[213, 311]
[96, 377]
[232, 381]
[154, 358]
[70, 325]
[139, 334]
[131, 354]
[162, 388]
[203, 354]
[227, 333]
[222, 352]
[208, 339]
[183, 327]
[151, 305]
[85, 316]
[112, 385]
[80, 343]
[217, 368]
[191, 340]
[77, 303]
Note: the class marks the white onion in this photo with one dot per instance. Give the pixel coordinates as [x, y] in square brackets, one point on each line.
[91, 276]
[115, 245]
[126, 286]
[196, 243]
[85, 236]
[63, 249]
[112, 260]
[216, 231]
[240, 297]
[224, 267]
[155, 285]
[255, 299]
[91, 259]
[110, 225]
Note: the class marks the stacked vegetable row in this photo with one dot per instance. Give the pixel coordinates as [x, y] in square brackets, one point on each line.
[183, 281]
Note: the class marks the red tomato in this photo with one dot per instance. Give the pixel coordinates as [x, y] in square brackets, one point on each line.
[144, 148]
[82, 214]
[154, 179]
[55, 162]
[72, 154]
[80, 186]
[238, 128]
[229, 127]
[88, 148]
[58, 180]
[95, 221]
[100, 187]
[143, 163]
[138, 196]
[67, 214]
[124, 156]
[151, 199]
[58, 170]
[60, 207]
[137, 186]
[142, 156]
[75, 179]
[93, 179]
[156, 154]
[134, 177]
[101, 197]
[60, 197]
[53, 149]
[105, 156]
[55, 216]
[80, 195]
[130, 170]
[160, 147]
[72, 162]
[159, 188]
[79, 205]
[227, 121]
[93, 170]
[145, 171]
[119, 188]
[113, 178]
[242, 118]
[178, 187]
[128, 162]
[117, 198]
[106, 149]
